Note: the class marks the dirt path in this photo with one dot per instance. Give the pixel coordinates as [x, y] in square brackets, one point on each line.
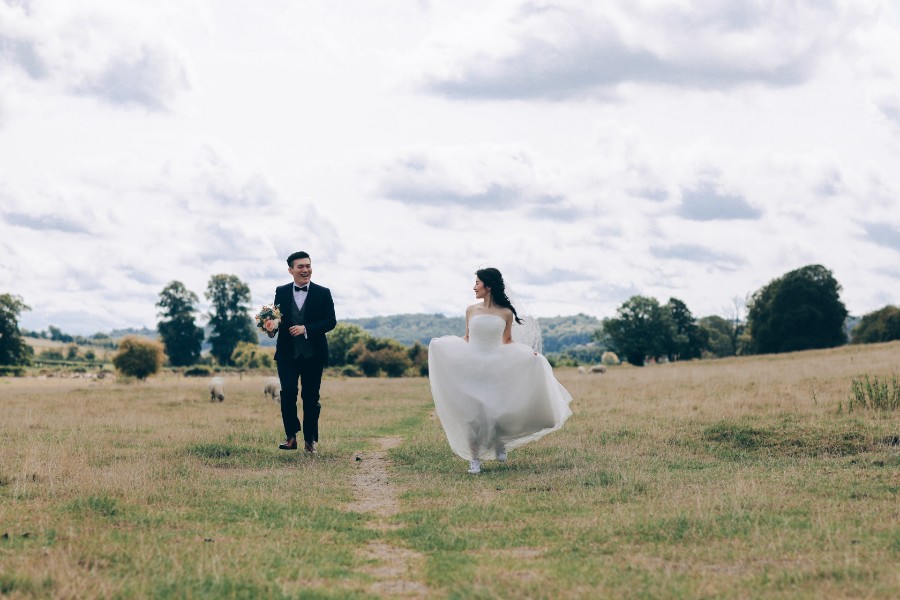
[394, 568]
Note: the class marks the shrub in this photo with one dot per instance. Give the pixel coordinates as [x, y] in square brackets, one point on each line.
[874, 394]
[375, 356]
[351, 371]
[879, 326]
[418, 355]
[12, 371]
[198, 372]
[609, 358]
[138, 357]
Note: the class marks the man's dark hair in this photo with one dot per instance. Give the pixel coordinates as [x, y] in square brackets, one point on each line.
[295, 256]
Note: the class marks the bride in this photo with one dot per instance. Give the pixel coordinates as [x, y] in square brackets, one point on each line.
[491, 393]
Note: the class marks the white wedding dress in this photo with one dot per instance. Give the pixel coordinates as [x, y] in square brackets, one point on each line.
[492, 396]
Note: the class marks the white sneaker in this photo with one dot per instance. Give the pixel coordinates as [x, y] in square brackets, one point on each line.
[474, 466]
[501, 454]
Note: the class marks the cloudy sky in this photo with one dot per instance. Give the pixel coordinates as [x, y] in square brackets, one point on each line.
[591, 151]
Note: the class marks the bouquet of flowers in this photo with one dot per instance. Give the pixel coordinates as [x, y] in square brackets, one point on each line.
[268, 318]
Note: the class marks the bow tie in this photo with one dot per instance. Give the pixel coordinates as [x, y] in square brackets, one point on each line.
[297, 288]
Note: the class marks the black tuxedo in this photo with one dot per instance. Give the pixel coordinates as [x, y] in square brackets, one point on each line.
[303, 360]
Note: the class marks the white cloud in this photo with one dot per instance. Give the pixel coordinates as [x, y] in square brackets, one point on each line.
[569, 49]
[116, 52]
[688, 150]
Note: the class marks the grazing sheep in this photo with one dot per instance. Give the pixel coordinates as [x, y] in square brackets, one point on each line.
[216, 389]
[273, 389]
[598, 369]
[581, 370]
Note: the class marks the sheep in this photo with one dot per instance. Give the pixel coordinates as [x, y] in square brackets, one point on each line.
[598, 369]
[216, 389]
[273, 388]
[581, 370]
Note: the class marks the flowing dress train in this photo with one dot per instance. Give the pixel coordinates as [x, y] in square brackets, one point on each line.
[490, 395]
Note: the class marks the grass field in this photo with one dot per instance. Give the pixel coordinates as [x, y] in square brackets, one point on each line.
[734, 478]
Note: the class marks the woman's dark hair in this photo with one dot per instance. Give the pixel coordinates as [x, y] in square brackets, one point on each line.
[492, 279]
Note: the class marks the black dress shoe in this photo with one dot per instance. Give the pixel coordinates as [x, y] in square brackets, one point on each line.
[288, 444]
[310, 448]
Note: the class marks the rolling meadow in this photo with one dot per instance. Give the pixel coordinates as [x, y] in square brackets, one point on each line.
[745, 477]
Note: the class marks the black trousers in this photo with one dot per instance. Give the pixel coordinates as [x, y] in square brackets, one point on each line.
[308, 371]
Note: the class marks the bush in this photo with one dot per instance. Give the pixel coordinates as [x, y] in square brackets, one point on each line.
[351, 371]
[874, 394]
[138, 357]
[879, 326]
[609, 358]
[12, 371]
[198, 372]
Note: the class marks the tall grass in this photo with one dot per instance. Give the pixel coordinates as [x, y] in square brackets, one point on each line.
[874, 394]
[731, 478]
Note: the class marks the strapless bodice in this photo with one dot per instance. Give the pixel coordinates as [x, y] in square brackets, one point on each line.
[486, 331]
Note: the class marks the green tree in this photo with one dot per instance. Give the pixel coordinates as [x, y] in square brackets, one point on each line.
[719, 334]
[688, 339]
[882, 325]
[228, 316]
[13, 349]
[642, 329]
[418, 356]
[179, 332]
[380, 355]
[800, 310]
[57, 335]
[340, 339]
[138, 357]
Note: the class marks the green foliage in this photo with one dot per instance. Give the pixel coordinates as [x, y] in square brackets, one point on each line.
[50, 354]
[874, 394]
[13, 349]
[12, 371]
[351, 371]
[229, 316]
[882, 325]
[376, 356]
[563, 333]
[720, 336]
[180, 334]
[418, 356]
[687, 340]
[800, 310]
[248, 355]
[198, 371]
[138, 357]
[409, 328]
[340, 339]
[642, 329]
[580, 354]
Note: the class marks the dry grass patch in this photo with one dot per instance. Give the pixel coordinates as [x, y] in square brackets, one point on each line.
[732, 478]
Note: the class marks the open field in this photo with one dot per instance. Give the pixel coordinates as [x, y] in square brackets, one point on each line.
[736, 478]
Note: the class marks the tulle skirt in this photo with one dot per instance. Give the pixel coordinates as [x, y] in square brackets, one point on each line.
[493, 397]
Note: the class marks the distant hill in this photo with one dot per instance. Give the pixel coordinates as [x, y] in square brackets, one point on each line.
[558, 333]
[145, 332]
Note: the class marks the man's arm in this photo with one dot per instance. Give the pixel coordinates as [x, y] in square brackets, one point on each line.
[328, 321]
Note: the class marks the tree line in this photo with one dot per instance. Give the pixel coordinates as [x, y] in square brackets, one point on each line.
[800, 310]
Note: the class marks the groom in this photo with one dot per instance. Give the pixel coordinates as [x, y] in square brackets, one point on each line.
[301, 352]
